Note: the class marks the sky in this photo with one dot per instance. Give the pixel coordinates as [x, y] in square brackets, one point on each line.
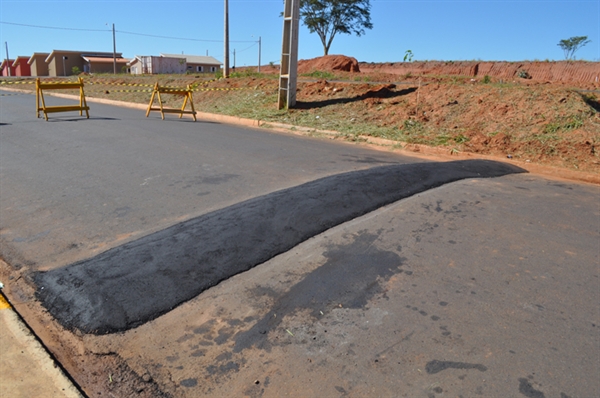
[443, 30]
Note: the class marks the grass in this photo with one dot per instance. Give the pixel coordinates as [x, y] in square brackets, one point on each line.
[538, 120]
[319, 75]
[248, 73]
[568, 123]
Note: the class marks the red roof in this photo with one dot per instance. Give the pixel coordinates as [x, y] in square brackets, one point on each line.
[102, 60]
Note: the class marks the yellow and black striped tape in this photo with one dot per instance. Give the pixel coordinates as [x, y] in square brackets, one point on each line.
[210, 81]
[17, 82]
[134, 85]
[120, 84]
[42, 81]
[123, 91]
[221, 89]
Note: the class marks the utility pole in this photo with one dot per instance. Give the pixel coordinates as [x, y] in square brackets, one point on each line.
[258, 54]
[114, 52]
[64, 65]
[226, 49]
[7, 58]
[288, 75]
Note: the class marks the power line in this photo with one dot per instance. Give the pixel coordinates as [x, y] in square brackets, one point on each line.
[247, 48]
[168, 37]
[54, 27]
[125, 32]
[182, 38]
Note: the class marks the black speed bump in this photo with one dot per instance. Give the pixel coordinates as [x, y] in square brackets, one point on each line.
[129, 285]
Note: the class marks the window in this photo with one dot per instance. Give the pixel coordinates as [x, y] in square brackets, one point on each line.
[213, 68]
[199, 68]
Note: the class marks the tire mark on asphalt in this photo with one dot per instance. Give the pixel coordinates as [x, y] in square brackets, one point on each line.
[436, 366]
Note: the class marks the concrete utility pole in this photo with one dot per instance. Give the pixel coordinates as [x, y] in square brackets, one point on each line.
[64, 65]
[7, 58]
[114, 52]
[226, 49]
[259, 54]
[288, 74]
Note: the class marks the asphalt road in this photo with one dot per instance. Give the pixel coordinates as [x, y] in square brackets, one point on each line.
[460, 279]
[74, 187]
[482, 287]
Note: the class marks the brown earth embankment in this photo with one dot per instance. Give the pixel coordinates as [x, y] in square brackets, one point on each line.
[559, 71]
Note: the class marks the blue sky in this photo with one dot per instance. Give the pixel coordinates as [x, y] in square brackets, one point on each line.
[445, 30]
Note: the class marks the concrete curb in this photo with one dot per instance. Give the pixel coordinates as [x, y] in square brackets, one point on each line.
[26, 368]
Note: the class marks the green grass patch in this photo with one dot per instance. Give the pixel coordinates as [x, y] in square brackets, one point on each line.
[319, 75]
[568, 123]
[461, 139]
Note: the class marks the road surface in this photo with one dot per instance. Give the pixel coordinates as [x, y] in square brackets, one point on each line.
[322, 269]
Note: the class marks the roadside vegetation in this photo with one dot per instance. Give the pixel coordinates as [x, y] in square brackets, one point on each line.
[551, 124]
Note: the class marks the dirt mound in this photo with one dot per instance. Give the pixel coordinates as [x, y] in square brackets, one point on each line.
[383, 91]
[563, 71]
[329, 63]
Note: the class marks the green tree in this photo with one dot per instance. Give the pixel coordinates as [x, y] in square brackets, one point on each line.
[327, 18]
[571, 45]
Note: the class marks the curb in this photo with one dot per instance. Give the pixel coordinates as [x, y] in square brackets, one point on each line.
[418, 150]
[27, 367]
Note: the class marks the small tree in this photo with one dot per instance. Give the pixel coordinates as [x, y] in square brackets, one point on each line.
[327, 18]
[75, 70]
[571, 45]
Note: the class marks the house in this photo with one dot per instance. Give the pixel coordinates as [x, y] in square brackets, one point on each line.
[148, 65]
[198, 63]
[104, 64]
[62, 62]
[37, 64]
[21, 66]
[8, 68]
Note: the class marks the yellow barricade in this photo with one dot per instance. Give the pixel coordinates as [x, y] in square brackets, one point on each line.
[187, 93]
[39, 96]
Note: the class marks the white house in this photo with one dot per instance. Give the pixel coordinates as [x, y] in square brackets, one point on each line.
[198, 63]
[149, 65]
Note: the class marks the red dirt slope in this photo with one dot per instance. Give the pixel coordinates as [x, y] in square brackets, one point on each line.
[563, 71]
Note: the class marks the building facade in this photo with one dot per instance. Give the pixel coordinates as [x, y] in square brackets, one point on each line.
[21, 66]
[62, 63]
[37, 64]
[198, 63]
